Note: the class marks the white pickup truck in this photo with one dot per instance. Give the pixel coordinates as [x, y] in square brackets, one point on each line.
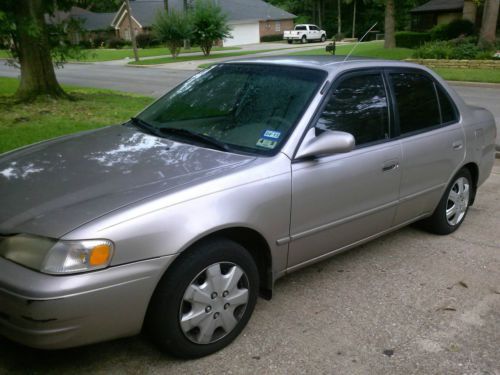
[305, 33]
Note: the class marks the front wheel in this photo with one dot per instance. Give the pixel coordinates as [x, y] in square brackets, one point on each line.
[323, 38]
[453, 206]
[203, 303]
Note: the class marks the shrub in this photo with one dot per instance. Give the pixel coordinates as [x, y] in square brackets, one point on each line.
[86, 44]
[271, 38]
[145, 40]
[99, 41]
[116, 43]
[173, 28]
[409, 39]
[209, 25]
[452, 30]
[459, 49]
[339, 36]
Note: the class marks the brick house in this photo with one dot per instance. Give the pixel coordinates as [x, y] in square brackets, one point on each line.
[250, 20]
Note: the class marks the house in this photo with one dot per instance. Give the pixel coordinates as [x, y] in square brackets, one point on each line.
[89, 26]
[250, 20]
[437, 12]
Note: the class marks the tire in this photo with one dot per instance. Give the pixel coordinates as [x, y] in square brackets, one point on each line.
[190, 315]
[323, 38]
[290, 41]
[453, 206]
[303, 40]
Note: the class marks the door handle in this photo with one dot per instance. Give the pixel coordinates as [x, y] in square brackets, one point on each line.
[390, 165]
[457, 145]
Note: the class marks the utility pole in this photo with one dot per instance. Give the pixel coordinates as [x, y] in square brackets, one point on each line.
[132, 32]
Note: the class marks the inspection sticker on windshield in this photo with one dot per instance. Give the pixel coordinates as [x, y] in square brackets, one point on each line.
[269, 139]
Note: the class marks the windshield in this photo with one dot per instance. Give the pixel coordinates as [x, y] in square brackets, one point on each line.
[243, 107]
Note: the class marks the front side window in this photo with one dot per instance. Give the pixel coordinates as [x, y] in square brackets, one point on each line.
[416, 102]
[247, 107]
[358, 106]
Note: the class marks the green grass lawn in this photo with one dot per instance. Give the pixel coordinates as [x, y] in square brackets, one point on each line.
[104, 54]
[377, 50]
[22, 124]
[367, 49]
[168, 60]
[469, 75]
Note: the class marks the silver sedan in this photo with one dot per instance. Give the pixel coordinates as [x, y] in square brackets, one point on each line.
[175, 221]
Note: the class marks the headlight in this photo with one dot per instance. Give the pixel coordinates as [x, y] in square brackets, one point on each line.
[56, 257]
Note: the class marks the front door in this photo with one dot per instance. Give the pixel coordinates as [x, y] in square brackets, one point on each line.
[340, 199]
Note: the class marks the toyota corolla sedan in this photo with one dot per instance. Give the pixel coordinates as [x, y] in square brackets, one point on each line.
[175, 221]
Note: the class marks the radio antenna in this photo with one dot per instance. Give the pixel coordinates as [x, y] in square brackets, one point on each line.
[359, 41]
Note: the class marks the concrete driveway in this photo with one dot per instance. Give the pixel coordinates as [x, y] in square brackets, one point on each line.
[407, 303]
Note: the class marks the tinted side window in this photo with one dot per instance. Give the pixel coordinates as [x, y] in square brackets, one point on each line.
[416, 101]
[314, 28]
[448, 113]
[300, 28]
[358, 106]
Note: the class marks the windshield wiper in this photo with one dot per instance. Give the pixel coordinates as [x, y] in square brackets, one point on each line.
[201, 138]
[144, 125]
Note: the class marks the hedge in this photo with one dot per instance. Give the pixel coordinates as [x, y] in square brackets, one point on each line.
[410, 39]
[271, 38]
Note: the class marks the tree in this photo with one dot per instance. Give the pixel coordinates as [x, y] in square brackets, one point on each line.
[172, 28]
[25, 23]
[209, 25]
[487, 34]
[389, 28]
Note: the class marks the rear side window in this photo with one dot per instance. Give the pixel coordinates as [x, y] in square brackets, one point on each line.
[448, 112]
[358, 106]
[300, 28]
[416, 102]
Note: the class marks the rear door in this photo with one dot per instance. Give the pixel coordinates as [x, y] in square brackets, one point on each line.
[432, 140]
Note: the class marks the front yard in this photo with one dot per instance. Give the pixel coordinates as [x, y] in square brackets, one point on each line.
[376, 50]
[22, 124]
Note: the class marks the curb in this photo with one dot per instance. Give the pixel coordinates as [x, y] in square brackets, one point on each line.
[475, 84]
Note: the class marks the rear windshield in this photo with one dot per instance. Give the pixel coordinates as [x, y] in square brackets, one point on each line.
[248, 107]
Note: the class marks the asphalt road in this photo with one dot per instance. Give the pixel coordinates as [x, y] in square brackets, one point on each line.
[406, 303]
[156, 81]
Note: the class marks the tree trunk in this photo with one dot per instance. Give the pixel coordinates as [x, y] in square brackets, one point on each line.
[487, 35]
[339, 17]
[390, 38]
[132, 31]
[320, 15]
[37, 71]
[165, 5]
[354, 21]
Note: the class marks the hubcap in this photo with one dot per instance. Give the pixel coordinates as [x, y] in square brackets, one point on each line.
[214, 303]
[458, 201]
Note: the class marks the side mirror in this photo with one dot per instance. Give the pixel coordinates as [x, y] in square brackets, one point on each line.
[327, 143]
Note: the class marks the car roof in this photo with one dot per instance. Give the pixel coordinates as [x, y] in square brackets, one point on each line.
[327, 63]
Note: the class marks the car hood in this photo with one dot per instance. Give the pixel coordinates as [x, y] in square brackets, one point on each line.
[54, 187]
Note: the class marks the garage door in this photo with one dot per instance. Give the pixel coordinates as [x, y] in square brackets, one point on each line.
[243, 33]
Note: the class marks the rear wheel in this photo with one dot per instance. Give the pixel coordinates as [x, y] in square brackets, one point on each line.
[303, 40]
[452, 209]
[203, 303]
[290, 41]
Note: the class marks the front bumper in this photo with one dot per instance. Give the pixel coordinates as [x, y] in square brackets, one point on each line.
[55, 312]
